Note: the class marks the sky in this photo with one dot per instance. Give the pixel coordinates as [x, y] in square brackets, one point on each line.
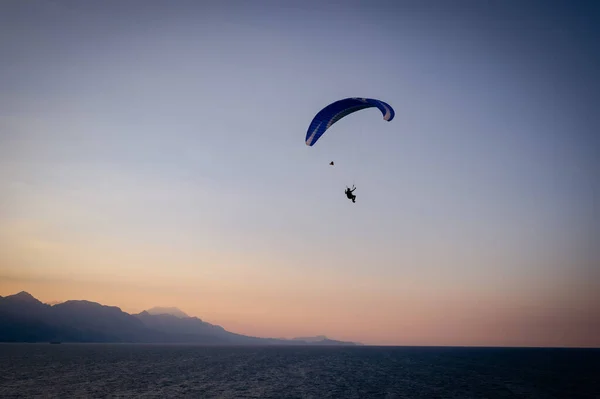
[152, 154]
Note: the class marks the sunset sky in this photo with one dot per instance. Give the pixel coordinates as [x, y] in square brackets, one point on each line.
[152, 154]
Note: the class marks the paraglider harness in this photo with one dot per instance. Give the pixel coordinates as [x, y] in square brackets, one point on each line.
[349, 193]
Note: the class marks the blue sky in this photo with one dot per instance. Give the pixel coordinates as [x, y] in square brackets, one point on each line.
[174, 131]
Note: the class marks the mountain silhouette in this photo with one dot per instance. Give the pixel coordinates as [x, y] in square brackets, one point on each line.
[318, 338]
[24, 297]
[23, 318]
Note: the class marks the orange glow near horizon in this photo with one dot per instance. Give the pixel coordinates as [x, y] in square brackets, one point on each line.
[252, 295]
[368, 316]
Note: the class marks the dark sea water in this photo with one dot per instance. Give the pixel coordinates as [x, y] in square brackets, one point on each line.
[124, 370]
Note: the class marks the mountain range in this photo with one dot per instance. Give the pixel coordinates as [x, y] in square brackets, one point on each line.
[23, 318]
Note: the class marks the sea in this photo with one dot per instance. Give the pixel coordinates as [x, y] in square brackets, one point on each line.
[171, 371]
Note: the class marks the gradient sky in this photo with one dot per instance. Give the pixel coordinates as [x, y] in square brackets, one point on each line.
[152, 154]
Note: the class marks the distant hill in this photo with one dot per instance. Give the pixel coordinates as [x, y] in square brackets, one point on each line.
[171, 311]
[23, 318]
[322, 340]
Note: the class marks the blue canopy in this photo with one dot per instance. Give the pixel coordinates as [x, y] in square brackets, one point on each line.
[339, 109]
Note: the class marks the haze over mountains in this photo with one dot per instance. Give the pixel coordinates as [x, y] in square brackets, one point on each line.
[167, 310]
[23, 318]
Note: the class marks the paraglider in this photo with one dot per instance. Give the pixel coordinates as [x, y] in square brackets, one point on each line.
[335, 111]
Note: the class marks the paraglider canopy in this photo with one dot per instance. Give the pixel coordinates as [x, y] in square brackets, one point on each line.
[339, 109]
